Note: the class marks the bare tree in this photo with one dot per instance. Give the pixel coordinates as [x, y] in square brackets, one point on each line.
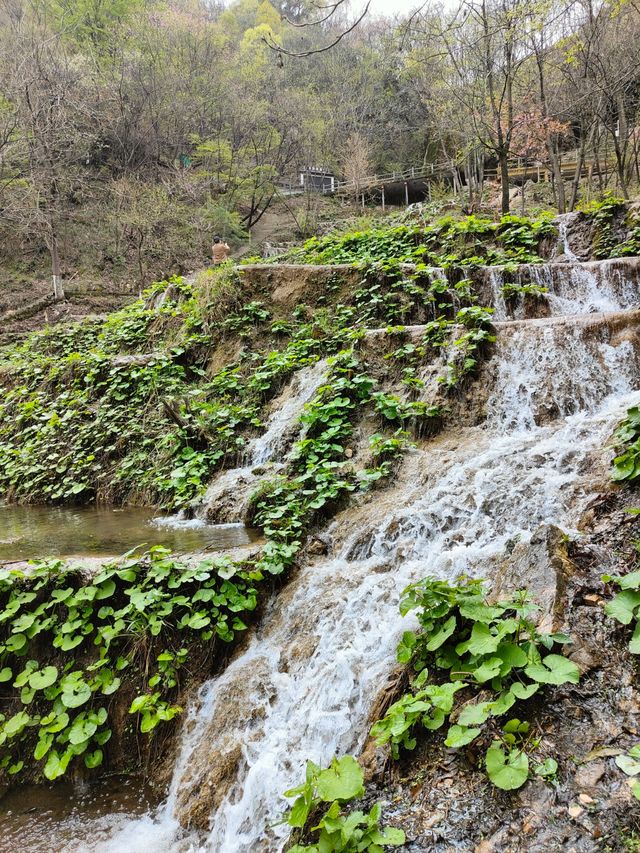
[357, 162]
[326, 15]
[56, 123]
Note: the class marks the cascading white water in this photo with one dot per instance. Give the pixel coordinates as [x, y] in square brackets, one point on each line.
[571, 288]
[551, 369]
[273, 441]
[563, 233]
[496, 279]
[591, 287]
[306, 682]
[271, 445]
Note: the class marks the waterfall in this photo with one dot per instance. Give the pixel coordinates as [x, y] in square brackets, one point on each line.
[286, 410]
[496, 281]
[304, 685]
[571, 288]
[227, 496]
[593, 286]
[547, 369]
[563, 233]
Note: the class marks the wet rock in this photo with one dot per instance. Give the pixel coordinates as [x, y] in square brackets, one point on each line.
[317, 547]
[227, 498]
[541, 566]
[212, 767]
[374, 760]
[496, 844]
[584, 657]
[576, 237]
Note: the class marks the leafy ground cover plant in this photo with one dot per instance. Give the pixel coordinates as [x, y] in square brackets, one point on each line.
[626, 465]
[74, 653]
[624, 607]
[603, 213]
[507, 758]
[629, 763]
[126, 410]
[320, 473]
[446, 242]
[510, 290]
[466, 645]
[337, 830]
[66, 642]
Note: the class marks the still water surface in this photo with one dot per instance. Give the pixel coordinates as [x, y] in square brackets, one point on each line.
[39, 531]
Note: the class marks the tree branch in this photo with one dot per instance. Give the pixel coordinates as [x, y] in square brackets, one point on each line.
[273, 45]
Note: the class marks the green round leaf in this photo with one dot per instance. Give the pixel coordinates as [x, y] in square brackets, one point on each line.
[506, 771]
[93, 759]
[342, 781]
[43, 678]
[554, 669]
[78, 694]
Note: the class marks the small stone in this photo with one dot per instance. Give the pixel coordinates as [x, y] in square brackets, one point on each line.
[575, 810]
[589, 775]
[434, 820]
[583, 658]
[628, 705]
[592, 599]
[585, 799]
[348, 453]
[544, 567]
[317, 547]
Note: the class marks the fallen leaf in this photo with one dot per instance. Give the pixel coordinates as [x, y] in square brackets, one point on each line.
[601, 752]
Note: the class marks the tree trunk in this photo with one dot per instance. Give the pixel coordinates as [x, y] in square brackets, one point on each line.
[556, 168]
[576, 178]
[597, 165]
[620, 167]
[504, 178]
[58, 290]
[139, 256]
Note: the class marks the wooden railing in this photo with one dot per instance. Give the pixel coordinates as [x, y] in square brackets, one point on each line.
[431, 171]
[519, 170]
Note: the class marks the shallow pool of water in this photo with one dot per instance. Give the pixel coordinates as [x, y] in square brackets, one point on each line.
[40, 531]
[69, 819]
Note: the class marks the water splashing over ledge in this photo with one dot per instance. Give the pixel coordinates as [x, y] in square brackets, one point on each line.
[306, 682]
[304, 685]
